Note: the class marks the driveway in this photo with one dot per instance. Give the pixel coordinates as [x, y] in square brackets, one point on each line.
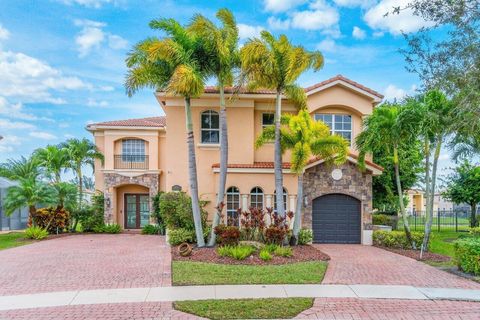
[86, 261]
[357, 264]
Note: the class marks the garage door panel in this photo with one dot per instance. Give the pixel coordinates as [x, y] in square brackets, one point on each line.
[336, 219]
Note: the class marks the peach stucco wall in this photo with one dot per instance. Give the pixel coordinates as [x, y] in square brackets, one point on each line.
[168, 150]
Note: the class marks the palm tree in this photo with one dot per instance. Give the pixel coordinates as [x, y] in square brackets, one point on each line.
[276, 64]
[23, 169]
[54, 159]
[222, 47]
[177, 64]
[385, 130]
[66, 194]
[305, 138]
[81, 153]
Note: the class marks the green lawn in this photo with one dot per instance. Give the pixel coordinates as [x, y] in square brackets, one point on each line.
[200, 273]
[12, 239]
[273, 308]
[442, 242]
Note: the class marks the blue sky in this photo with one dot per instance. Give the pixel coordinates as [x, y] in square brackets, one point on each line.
[62, 61]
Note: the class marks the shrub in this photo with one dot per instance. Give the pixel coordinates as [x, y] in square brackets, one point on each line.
[152, 229]
[283, 252]
[474, 232]
[252, 223]
[52, 219]
[156, 213]
[91, 217]
[179, 236]
[236, 252]
[305, 236]
[385, 220]
[275, 234]
[265, 255]
[108, 228]
[467, 255]
[175, 209]
[36, 232]
[271, 247]
[227, 235]
[396, 239]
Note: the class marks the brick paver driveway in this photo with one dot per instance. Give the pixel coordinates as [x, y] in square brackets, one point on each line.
[357, 264]
[87, 261]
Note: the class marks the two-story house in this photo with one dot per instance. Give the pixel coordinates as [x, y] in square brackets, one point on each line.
[144, 156]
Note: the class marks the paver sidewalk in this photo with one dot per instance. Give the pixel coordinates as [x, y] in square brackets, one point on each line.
[166, 294]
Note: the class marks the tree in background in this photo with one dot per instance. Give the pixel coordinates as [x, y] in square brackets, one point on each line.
[463, 186]
[276, 64]
[305, 138]
[179, 65]
[385, 131]
[221, 44]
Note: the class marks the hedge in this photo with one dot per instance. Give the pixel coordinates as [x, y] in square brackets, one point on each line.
[467, 255]
[385, 220]
[396, 239]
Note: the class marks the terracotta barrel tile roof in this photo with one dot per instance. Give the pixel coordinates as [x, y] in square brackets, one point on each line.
[142, 122]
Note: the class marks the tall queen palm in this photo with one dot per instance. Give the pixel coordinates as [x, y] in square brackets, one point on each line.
[222, 46]
[305, 138]
[54, 159]
[276, 64]
[177, 64]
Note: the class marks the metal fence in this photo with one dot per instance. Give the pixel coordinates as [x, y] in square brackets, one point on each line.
[443, 220]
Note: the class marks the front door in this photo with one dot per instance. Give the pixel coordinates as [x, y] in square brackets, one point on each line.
[137, 211]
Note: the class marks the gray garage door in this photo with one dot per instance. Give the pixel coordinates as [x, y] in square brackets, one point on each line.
[336, 219]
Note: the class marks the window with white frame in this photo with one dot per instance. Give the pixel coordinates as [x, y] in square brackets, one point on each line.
[284, 200]
[233, 204]
[340, 124]
[268, 119]
[210, 129]
[256, 198]
[133, 150]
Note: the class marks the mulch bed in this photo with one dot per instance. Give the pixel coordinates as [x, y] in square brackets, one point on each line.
[415, 254]
[300, 254]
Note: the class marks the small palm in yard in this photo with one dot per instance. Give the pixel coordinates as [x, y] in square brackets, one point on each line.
[177, 64]
[222, 46]
[276, 64]
[385, 130]
[54, 159]
[305, 137]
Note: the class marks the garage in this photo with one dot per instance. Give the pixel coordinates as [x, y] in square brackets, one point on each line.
[336, 218]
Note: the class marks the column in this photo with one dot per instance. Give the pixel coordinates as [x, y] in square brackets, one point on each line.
[244, 202]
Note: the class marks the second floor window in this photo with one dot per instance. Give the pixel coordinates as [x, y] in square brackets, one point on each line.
[340, 124]
[133, 150]
[268, 119]
[210, 130]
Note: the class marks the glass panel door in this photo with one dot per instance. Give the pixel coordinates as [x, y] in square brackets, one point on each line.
[131, 211]
[144, 210]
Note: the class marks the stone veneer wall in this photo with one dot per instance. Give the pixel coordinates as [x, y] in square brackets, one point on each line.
[151, 181]
[318, 181]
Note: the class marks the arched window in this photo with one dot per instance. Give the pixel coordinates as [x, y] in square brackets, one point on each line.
[284, 200]
[256, 198]
[210, 130]
[233, 204]
[133, 150]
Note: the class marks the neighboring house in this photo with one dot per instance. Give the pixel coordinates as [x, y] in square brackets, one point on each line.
[145, 156]
[18, 220]
[417, 202]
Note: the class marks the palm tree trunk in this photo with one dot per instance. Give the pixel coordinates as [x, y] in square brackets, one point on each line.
[428, 225]
[80, 186]
[32, 211]
[428, 210]
[192, 170]
[297, 222]
[400, 197]
[222, 177]
[278, 157]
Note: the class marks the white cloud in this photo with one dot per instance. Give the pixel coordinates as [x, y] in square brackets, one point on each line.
[16, 111]
[92, 36]
[4, 33]
[358, 33]
[321, 17]
[30, 80]
[9, 143]
[378, 34]
[392, 92]
[106, 88]
[42, 135]
[278, 24]
[327, 45]
[94, 103]
[349, 54]
[91, 3]
[246, 31]
[8, 124]
[354, 3]
[405, 21]
[277, 6]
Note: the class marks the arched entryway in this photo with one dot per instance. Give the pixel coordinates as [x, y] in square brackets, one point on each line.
[133, 206]
[336, 218]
